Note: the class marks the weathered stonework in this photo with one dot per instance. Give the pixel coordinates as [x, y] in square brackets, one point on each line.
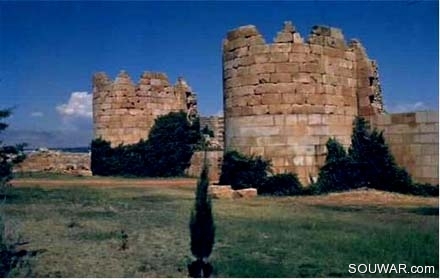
[413, 140]
[284, 100]
[124, 112]
[56, 162]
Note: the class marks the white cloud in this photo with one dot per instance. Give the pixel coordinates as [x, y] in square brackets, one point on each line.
[78, 106]
[37, 114]
[410, 107]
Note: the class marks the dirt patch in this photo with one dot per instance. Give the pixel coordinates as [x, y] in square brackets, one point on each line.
[371, 197]
[104, 182]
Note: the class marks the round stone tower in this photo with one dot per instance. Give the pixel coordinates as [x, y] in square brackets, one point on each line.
[124, 112]
[284, 100]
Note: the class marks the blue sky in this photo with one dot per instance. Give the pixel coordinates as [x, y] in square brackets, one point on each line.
[49, 51]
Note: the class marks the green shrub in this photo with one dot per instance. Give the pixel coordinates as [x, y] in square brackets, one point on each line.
[241, 171]
[369, 163]
[424, 189]
[339, 171]
[171, 143]
[311, 190]
[374, 160]
[284, 184]
[167, 152]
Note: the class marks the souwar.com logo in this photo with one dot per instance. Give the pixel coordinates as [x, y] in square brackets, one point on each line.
[389, 268]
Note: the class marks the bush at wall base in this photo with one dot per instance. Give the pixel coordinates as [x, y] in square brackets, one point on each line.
[242, 171]
[284, 184]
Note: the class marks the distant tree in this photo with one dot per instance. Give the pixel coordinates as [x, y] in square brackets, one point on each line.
[9, 154]
[207, 131]
[202, 228]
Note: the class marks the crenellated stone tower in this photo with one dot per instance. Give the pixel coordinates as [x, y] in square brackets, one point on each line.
[124, 112]
[284, 100]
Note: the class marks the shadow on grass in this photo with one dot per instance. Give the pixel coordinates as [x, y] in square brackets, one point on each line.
[29, 195]
[428, 211]
[424, 210]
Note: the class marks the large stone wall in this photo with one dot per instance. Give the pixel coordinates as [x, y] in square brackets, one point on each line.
[284, 100]
[413, 140]
[124, 112]
[56, 162]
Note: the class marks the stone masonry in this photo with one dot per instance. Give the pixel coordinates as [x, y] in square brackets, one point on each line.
[285, 99]
[56, 162]
[124, 112]
[217, 125]
[413, 140]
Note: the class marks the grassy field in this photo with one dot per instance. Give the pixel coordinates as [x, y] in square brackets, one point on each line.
[79, 227]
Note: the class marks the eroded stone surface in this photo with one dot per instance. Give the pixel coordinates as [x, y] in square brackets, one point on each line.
[285, 99]
[124, 112]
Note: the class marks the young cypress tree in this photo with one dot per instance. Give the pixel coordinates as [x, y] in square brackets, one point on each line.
[202, 228]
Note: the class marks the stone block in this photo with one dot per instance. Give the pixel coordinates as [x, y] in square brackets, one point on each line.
[247, 193]
[279, 120]
[220, 192]
[284, 37]
[297, 39]
[280, 77]
[314, 119]
[277, 151]
[262, 68]
[275, 140]
[278, 161]
[271, 99]
[261, 109]
[299, 160]
[251, 79]
[257, 49]
[246, 60]
[286, 68]
[279, 108]
[300, 48]
[309, 68]
[257, 150]
[280, 47]
[285, 88]
[301, 78]
[321, 130]
[429, 171]
[428, 149]
[297, 58]
[279, 57]
[428, 128]
[259, 131]
[262, 58]
[403, 118]
[432, 117]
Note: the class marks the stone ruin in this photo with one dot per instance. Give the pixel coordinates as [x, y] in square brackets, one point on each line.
[124, 112]
[284, 100]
